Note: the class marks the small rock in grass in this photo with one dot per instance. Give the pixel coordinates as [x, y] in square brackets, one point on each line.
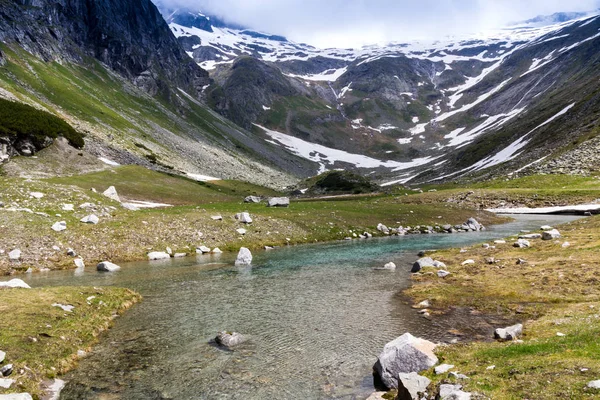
[217, 218]
[565, 245]
[59, 226]
[90, 219]
[485, 245]
[64, 307]
[244, 257]
[14, 255]
[456, 375]
[443, 368]
[6, 370]
[36, 195]
[2, 356]
[279, 202]
[244, 217]
[112, 194]
[6, 383]
[522, 244]
[107, 266]
[438, 264]
[468, 262]
[509, 333]
[499, 241]
[491, 368]
[453, 392]
[560, 334]
[252, 199]
[423, 304]
[490, 260]
[68, 207]
[442, 274]
[241, 231]
[546, 228]
[71, 252]
[521, 261]
[158, 255]
[551, 235]
[594, 384]
[422, 263]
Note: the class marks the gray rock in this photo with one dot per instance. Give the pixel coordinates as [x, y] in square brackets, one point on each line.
[457, 375]
[59, 226]
[522, 244]
[387, 267]
[443, 368]
[509, 333]
[6, 370]
[6, 383]
[531, 236]
[438, 264]
[442, 274]
[244, 217]
[14, 255]
[79, 262]
[377, 396]
[158, 255]
[452, 392]
[252, 199]
[15, 284]
[112, 194]
[216, 250]
[279, 202]
[216, 218]
[16, 396]
[382, 228]
[36, 195]
[72, 253]
[2, 356]
[106, 266]
[180, 255]
[90, 219]
[594, 384]
[472, 224]
[230, 339]
[422, 263]
[404, 355]
[411, 386]
[202, 250]
[244, 257]
[551, 235]
[546, 228]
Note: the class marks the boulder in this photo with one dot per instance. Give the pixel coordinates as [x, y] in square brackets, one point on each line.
[551, 235]
[279, 202]
[202, 250]
[6, 370]
[411, 386]
[229, 339]
[158, 255]
[14, 284]
[382, 228]
[244, 257]
[474, 225]
[59, 226]
[244, 217]
[14, 255]
[68, 207]
[79, 263]
[252, 199]
[453, 392]
[112, 194]
[438, 264]
[71, 252]
[387, 267]
[546, 228]
[180, 255]
[594, 384]
[443, 368]
[422, 263]
[522, 244]
[106, 266]
[509, 333]
[6, 383]
[90, 219]
[404, 355]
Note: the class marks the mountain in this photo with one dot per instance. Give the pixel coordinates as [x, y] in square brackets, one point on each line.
[468, 107]
[116, 73]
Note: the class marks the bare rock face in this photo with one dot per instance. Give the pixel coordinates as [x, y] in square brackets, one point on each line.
[405, 354]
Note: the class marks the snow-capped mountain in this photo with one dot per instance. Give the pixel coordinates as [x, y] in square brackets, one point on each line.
[417, 110]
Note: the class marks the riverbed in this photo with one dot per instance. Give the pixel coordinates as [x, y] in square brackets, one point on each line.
[317, 317]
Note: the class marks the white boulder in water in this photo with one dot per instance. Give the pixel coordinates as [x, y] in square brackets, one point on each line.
[158, 255]
[244, 257]
[107, 266]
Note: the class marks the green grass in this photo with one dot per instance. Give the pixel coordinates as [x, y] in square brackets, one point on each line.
[42, 340]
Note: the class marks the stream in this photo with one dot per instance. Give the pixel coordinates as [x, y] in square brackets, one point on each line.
[317, 317]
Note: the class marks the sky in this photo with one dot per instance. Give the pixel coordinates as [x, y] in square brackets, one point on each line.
[354, 23]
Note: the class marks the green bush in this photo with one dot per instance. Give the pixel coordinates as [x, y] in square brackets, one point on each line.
[23, 121]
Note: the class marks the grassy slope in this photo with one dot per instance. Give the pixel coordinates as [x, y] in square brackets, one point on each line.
[42, 340]
[555, 291]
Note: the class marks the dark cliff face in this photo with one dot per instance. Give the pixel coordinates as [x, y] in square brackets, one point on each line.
[131, 37]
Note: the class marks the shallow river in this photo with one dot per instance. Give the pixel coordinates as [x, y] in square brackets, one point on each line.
[317, 315]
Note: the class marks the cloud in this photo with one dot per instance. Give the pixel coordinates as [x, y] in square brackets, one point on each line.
[354, 23]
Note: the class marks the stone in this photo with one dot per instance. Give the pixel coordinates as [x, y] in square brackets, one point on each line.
[531, 236]
[6, 370]
[453, 392]
[594, 384]
[457, 375]
[169, 251]
[244, 257]
[387, 267]
[71, 252]
[6, 383]
[216, 250]
[485, 245]
[15, 284]
[217, 218]
[230, 339]
[546, 228]
[422, 263]
[279, 202]
[474, 225]
[382, 228]
[522, 244]
[490, 260]
[59, 226]
[90, 219]
[68, 207]
[180, 255]
[79, 262]
[565, 245]
[107, 266]
[411, 386]
[244, 217]
[405, 354]
[14, 255]
[499, 241]
[442, 273]
[509, 333]
[468, 262]
[202, 250]
[64, 307]
[36, 195]
[443, 368]
[252, 199]
[438, 264]
[16, 396]
[158, 255]
[241, 231]
[377, 396]
[551, 235]
[112, 194]
[424, 304]
[2, 356]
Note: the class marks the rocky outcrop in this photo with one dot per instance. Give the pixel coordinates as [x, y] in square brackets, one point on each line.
[405, 354]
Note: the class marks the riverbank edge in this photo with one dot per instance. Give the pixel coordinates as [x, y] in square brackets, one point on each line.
[541, 319]
[43, 340]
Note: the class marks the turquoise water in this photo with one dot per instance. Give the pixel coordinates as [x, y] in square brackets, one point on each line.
[317, 317]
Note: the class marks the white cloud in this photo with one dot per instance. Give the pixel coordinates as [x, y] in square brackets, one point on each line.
[353, 23]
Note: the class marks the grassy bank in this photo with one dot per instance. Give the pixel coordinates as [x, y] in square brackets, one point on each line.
[124, 235]
[556, 295]
[42, 340]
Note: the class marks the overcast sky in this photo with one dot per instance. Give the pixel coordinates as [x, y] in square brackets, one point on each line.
[353, 23]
